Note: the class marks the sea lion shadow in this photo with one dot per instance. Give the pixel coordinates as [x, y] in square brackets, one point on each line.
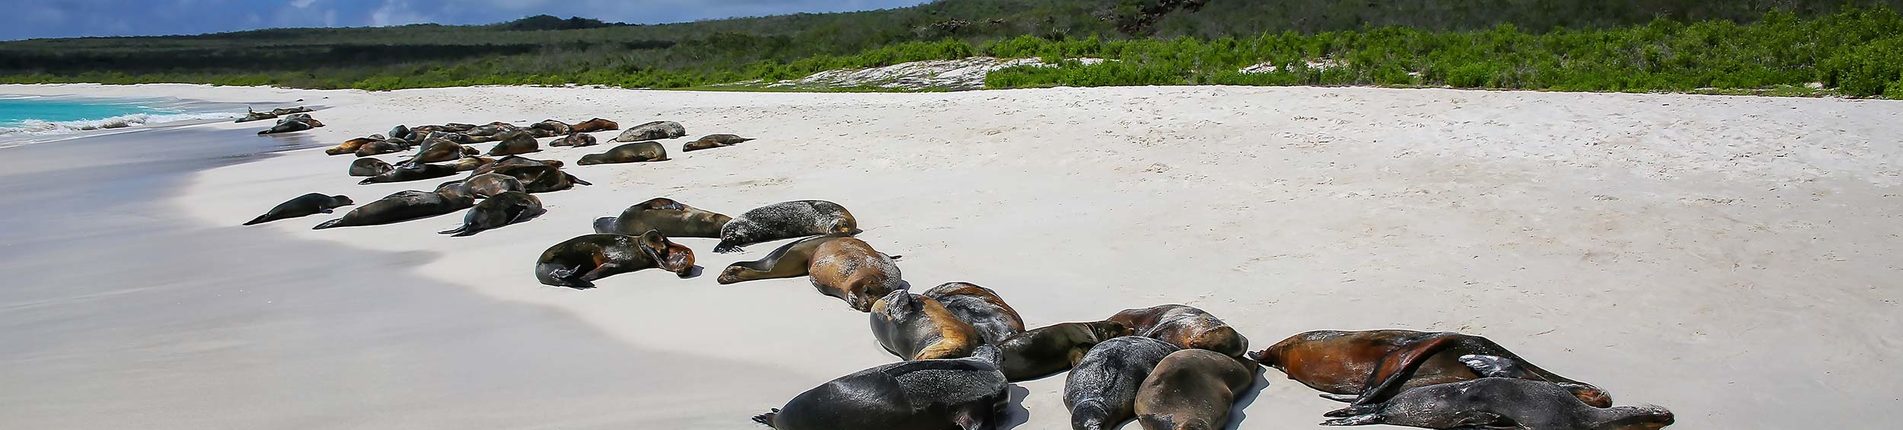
[692, 272]
[1014, 413]
[1236, 414]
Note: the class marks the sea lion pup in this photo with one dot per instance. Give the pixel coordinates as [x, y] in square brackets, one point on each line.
[665, 215]
[981, 308]
[1504, 403]
[574, 139]
[1185, 327]
[440, 150]
[1367, 367]
[369, 167]
[471, 163]
[785, 220]
[515, 142]
[656, 130]
[492, 184]
[594, 125]
[1101, 390]
[578, 262]
[509, 207]
[1192, 389]
[629, 153]
[965, 393]
[304, 205]
[1044, 351]
[916, 327]
[549, 128]
[402, 206]
[411, 172]
[350, 146]
[712, 141]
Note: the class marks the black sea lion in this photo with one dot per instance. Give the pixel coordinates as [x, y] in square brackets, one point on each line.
[369, 167]
[594, 125]
[1504, 403]
[916, 327]
[1047, 350]
[304, 205]
[1367, 367]
[400, 132]
[665, 215]
[488, 185]
[509, 207]
[1185, 327]
[578, 262]
[1101, 390]
[411, 172]
[652, 131]
[515, 142]
[293, 123]
[981, 307]
[966, 393]
[574, 139]
[1192, 389]
[712, 141]
[402, 206]
[629, 153]
[785, 220]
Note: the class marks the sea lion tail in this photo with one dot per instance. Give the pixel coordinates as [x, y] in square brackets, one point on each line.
[766, 419]
[458, 231]
[605, 225]
[259, 220]
[367, 181]
[572, 178]
[329, 224]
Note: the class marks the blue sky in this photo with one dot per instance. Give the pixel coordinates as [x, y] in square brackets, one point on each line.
[23, 19]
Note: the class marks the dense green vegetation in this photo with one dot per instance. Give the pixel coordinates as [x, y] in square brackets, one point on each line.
[1855, 47]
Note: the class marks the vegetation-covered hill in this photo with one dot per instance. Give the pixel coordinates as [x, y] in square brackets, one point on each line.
[1558, 44]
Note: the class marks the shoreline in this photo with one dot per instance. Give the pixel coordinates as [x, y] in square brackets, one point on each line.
[1601, 235]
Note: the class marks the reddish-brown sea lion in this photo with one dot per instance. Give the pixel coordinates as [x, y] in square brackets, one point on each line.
[304, 205]
[712, 141]
[1367, 367]
[594, 125]
[1503, 403]
[784, 220]
[665, 215]
[577, 263]
[838, 266]
[380, 147]
[1185, 327]
[1101, 390]
[916, 327]
[966, 393]
[981, 307]
[1192, 389]
[350, 146]
[1044, 351]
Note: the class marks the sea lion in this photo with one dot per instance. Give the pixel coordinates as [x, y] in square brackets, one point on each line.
[840, 266]
[411, 172]
[666, 215]
[981, 308]
[594, 125]
[457, 127]
[574, 139]
[965, 393]
[712, 141]
[1101, 390]
[492, 184]
[656, 130]
[402, 206]
[785, 220]
[293, 123]
[369, 167]
[629, 153]
[379, 147]
[490, 132]
[1192, 389]
[304, 205]
[541, 179]
[549, 128]
[577, 263]
[350, 146]
[471, 163]
[509, 207]
[1047, 350]
[916, 327]
[400, 132]
[1185, 327]
[1367, 367]
[513, 161]
[439, 150]
[515, 142]
[1504, 403]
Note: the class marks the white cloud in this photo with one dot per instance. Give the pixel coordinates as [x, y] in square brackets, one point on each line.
[301, 4]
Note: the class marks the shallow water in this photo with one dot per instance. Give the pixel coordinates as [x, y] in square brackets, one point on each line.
[30, 119]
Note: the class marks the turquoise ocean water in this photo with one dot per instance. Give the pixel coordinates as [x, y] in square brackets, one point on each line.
[26, 116]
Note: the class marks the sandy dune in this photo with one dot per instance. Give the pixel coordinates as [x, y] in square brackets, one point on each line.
[1731, 258]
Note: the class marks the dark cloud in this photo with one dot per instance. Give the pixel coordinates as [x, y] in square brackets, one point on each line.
[74, 18]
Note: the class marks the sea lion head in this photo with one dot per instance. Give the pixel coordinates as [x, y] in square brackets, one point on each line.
[898, 305]
[1106, 330]
[672, 257]
[341, 200]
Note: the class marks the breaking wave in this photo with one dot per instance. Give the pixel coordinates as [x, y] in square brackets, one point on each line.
[37, 127]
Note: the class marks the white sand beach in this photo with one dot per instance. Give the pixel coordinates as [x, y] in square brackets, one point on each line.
[1734, 259]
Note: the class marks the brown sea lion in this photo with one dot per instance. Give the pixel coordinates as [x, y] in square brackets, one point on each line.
[981, 308]
[369, 167]
[440, 150]
[839, 266]
[1185, 327]
[411, 172]
[965, 393]
[1044, 351]
[488, 185]
[402, 206]
[712, 141]
[304, 205]
[594, 125]
[577, 263]
[541, 179]
[513, 161]
[1503, 403]
[1368, 367]
[574, 139]
[350, 146]
[665, 215]
[785, 220]
[293, 123]
[491, 132]
[515, 142]
[508, 207]
[1192, 389]
[1101, 390]
[549, 128]
[656, 130]
[916, 327]
[629, 153]
[471, 163]
[379, 147]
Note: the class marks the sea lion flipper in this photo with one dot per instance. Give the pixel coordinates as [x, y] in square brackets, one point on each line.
[329, 224]
[1394, 369]
[1344, 398]
[766, 419]
[578, 181]
[1357, 420]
